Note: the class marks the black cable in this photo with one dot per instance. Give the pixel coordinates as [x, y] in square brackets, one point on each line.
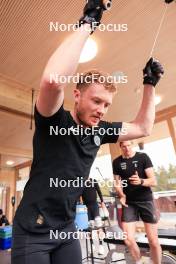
[32, 104]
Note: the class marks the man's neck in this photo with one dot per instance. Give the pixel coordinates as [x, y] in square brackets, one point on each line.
[72, 112]
[76, 119]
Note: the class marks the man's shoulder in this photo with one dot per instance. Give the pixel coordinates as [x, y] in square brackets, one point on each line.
[106, 123]
[144, 158]
[141, 154]
[46, 119]
[118, 159]
[53, 125]
[102, 123]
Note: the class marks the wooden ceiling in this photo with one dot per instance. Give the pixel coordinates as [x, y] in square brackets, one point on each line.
[26, 44]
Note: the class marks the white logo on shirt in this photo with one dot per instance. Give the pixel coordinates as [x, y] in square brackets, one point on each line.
[135, 163]
[123, 165]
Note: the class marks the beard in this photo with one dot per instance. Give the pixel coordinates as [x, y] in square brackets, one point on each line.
[80, 116]
[84, 116]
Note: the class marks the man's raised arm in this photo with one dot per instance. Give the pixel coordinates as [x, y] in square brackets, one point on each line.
[143, 123]
[64, 60]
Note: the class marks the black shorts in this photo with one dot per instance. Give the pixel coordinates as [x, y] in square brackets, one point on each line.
[93, 211]
[137, 211]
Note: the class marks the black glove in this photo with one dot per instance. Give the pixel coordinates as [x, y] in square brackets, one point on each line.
[93, 12]
[152, 72]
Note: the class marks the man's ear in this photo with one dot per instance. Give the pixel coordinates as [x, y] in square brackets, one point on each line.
[77, 94]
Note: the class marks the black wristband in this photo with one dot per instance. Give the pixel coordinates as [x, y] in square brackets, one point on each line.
[151, 80]
[89, 20]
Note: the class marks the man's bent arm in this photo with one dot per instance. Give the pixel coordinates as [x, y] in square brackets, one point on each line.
[118, 186]
[63, 62]
[151, 179]
[143, 123]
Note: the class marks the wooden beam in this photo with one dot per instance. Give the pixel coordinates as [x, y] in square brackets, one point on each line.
[16, 152]
[165, 114]
[6, 81]
[24, 165]
[14, 112]
[16, 95]
[172, 132]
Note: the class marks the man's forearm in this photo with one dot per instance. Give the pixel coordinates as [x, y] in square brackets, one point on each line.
[119, 191]
[146, 115]
[149, 183]
[64, 60]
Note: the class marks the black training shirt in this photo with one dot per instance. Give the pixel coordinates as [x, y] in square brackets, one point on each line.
[125, 168]
[65, 158]
[89, 194]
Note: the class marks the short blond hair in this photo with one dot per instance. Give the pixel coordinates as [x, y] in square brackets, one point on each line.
[98, 77]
